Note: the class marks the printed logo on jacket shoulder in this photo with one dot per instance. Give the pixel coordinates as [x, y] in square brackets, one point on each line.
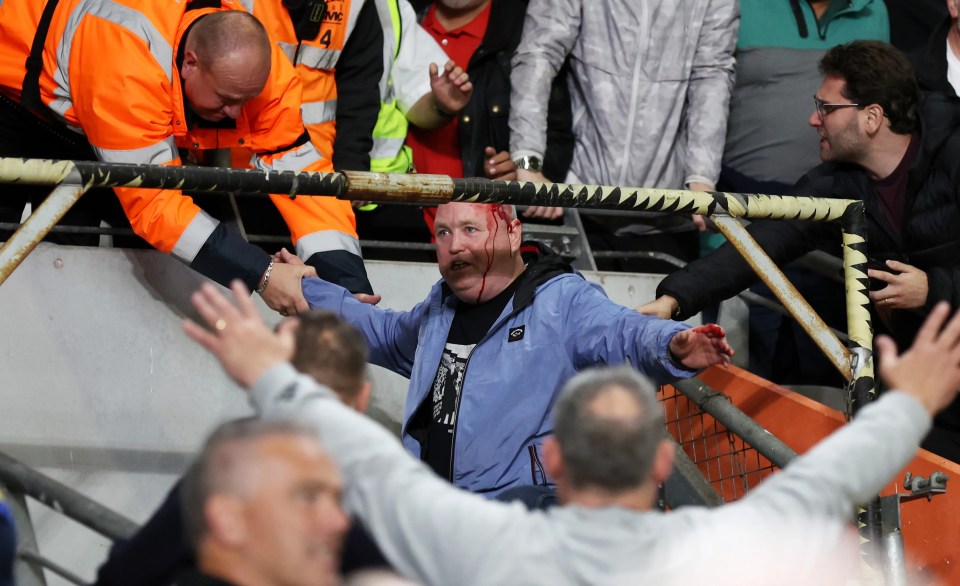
[515, 334]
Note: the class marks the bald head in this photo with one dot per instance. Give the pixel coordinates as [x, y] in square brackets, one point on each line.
[222, 37]
[607, 422]
[226, 62]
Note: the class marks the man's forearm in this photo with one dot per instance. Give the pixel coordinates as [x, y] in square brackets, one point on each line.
[708, 94]
[550, 29]
[852, 465]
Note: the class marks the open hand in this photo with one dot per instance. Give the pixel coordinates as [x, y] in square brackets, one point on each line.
[930, 370]
[238, 338]
[451, 88]
[701, 347]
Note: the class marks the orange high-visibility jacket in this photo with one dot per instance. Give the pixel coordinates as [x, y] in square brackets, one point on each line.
[110, 72]
[318, 224]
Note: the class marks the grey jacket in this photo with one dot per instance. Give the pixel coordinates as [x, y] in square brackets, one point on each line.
[438, 534]
[650, 86]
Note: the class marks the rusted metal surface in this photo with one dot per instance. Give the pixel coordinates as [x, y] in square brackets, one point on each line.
[770, 274]
[37, 226]
[398, 187]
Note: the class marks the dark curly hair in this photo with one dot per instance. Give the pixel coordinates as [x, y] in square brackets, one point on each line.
[876, 73]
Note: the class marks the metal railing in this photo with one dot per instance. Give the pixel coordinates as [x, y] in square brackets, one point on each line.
[19, 481]
[853, 359]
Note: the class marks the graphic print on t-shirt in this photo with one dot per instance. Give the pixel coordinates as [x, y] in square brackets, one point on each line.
[448, 383]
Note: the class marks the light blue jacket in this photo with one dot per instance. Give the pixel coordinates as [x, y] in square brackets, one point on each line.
[569, 324]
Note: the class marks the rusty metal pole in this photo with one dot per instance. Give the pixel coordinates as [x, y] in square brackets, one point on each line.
[38, 225]
[774, 278]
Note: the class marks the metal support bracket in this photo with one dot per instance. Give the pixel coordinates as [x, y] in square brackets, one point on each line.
[891, 536]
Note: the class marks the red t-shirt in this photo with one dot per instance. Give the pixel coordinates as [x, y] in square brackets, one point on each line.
[437, 151]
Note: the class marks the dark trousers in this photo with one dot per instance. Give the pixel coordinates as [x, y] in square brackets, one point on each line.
[780, 349]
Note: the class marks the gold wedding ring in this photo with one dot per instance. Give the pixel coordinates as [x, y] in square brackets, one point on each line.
[221, 324]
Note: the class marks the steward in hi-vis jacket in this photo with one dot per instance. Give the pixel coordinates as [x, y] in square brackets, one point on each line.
[119, 76]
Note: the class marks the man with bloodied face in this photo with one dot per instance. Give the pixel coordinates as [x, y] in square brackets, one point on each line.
[497, 337]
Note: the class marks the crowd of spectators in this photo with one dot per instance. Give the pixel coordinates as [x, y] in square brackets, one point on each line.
[705, 96]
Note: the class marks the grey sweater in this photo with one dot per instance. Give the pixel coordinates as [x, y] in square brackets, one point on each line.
[438, 534]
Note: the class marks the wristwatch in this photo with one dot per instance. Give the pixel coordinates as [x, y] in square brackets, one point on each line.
[529, 163]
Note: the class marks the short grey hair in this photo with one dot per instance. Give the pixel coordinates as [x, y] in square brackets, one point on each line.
[223, 464]
[600, 451]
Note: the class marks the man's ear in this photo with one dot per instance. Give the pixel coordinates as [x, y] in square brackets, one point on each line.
[190, 64]
[363, 397]
[663, 461]
[875, 118]
[225, 522]
[552, 458]
[515, 232]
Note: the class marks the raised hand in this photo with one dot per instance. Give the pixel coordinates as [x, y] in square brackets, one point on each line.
[930, 369]
[237, 336]
[451, 87]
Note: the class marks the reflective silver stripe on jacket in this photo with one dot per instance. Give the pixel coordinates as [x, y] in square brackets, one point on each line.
[292, 160]
[155, 154]
[194, 237]
[319, 112]
[130, 19]
[326, 241]
[289, 49]
[318, 58]
[386, 148]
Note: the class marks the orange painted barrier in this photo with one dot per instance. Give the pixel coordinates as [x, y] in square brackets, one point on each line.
[930, 529]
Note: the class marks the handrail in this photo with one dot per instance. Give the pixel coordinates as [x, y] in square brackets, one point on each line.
[19, 477]
[718, 406]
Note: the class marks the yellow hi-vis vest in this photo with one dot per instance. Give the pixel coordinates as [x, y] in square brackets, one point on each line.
[390, 154]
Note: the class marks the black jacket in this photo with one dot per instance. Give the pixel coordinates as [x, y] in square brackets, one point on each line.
[484, 121]
[931, 63]
[930, 236]
[911, 22]
[358, 74]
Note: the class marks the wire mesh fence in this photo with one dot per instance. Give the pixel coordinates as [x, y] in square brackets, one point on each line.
[729, 464]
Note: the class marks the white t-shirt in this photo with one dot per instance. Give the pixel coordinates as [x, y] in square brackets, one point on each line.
[953, 69]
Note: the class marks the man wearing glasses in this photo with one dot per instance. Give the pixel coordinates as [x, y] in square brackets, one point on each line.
[898, 151]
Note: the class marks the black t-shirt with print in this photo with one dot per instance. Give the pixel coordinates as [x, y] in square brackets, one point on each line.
[470, 324]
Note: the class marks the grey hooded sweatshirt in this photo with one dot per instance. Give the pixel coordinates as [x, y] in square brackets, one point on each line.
[438, 534]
